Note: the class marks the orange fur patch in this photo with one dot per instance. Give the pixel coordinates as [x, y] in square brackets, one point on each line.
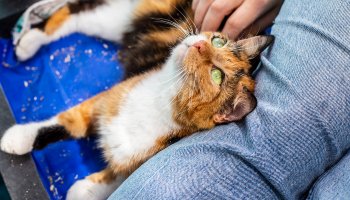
[105, 176]
[56, 20]
[79, 120]
[162, 6]
[163, 36]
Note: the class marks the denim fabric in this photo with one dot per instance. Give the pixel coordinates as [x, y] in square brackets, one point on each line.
[299, 129]
[334, 184]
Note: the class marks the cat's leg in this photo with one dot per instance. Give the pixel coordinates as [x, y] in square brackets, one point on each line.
[98, 186]
[107, 20]
[32, 40]
[76, 123]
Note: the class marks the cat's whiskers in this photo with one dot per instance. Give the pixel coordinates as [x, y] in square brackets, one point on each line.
[189, 21]
[193, 90]
[178, 73]
[178, 77]
[187, 28]
[188, 24]
[184, 79]
[189, 96]
[174, 24]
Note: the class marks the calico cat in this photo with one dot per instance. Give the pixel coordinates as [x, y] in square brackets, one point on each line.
[180, 82]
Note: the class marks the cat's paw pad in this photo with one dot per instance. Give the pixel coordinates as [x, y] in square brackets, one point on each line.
[18, 140]
[30, 43]
[86, 189]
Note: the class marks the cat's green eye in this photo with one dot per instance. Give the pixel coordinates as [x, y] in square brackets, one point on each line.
[218, 42]
[216, 76]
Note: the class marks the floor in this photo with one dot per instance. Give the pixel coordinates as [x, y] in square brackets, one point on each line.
[19, 172]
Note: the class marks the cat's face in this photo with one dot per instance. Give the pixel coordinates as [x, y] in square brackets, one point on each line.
[217, 87]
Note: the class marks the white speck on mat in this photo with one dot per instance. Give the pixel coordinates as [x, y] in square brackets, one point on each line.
[25, 83]
[5, 64]
[88, 51]
[52, 188]
[67, 59]
[58, 179]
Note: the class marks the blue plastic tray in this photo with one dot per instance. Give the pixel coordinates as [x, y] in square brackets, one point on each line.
[61, 75]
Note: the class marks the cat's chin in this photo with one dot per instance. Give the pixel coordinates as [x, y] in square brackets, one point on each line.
[181, 50]
[180, 53]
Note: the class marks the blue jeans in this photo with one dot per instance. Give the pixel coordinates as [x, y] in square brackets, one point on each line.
[300, 128]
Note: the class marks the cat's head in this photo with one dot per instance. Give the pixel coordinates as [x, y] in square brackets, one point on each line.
[217, 86]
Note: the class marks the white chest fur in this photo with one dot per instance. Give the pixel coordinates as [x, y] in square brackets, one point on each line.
[145, 116]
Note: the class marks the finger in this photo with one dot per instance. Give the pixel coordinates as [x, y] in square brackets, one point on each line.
[194, 4]
[217, 12]
[262, 23]
[200, 11]
[245, 15]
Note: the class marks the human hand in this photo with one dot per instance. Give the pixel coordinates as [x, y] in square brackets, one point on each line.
[252, 15]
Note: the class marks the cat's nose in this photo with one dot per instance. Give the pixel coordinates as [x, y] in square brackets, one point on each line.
[200, 45]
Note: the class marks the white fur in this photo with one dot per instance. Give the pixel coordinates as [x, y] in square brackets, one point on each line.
[86, 189]
[19, 139]
[31, 43]
[146, 114]
[107, 21]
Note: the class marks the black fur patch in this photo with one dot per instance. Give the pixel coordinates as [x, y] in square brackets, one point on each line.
[148, 55]
[138, 54]
[173, 140]
[237, 48]
[82, 5]
[240, 73]
[49, 135]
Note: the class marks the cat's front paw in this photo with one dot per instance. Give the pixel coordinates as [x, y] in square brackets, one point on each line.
[18, 139]
[30, 43]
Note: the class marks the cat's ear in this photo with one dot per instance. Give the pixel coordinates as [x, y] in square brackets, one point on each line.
[236, 109]
[253, 46]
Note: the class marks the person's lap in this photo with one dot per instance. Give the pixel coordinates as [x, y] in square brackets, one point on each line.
[298, 130]
[334, 184]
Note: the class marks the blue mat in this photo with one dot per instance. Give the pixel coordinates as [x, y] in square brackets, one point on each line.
[61, 75]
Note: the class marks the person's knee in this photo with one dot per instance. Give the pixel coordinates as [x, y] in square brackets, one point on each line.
[335, 183]
[196, 171]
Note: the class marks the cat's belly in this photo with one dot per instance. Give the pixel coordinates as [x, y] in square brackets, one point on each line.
[144, 117]
[125, 138]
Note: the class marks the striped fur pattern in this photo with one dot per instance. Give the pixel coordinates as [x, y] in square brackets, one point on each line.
[169, 93]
